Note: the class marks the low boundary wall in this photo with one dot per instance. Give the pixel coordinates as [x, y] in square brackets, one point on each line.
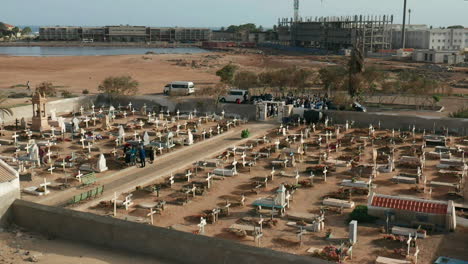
[457, 126]
[60, 106]
[162, 243]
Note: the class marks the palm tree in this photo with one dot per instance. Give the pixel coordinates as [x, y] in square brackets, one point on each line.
[3, 109]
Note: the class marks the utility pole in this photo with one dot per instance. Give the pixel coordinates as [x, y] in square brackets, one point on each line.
[409, 17]
[403, 32]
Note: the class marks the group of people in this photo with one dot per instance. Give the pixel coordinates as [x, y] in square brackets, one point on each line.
[315, 101]
[134, 154]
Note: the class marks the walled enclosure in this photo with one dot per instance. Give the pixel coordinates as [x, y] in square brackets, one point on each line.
[162, 243]
[61, 106]
[396, 121]
[9, 191]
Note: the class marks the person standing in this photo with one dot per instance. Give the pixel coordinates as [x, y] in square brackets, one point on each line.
[151, 154]
[142, 153]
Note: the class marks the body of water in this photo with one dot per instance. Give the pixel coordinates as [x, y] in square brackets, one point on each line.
[92, 51]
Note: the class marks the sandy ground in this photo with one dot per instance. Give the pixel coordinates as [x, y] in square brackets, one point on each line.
[22, 247]
[281, 236]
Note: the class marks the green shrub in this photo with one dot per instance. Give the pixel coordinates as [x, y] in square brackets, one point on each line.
[360, 214]
[436, 98]
[460, 113]
[245, 133]
[19, 95]
[67, 94]
[85, 91]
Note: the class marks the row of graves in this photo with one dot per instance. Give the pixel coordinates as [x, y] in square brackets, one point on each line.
[80, 149]
[293, 190]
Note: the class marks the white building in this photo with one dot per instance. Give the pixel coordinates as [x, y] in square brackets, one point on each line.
[9, 189]
[421, 37]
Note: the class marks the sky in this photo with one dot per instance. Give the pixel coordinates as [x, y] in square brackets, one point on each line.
[217, 13]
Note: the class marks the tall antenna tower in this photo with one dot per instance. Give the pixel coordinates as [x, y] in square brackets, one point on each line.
[296, 10]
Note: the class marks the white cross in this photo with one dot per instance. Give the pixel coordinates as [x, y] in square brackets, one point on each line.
[188, 174]
[115, 204]
[82, 140]
[63, 164]
[125, 114]
[208, 180]
[130, 106]
[114, 151]
[135, 134]
[81, 110]
[128, 201]
[45, 184]
[79, 175]
[150, 214]
[133, 111]
[51, 169]
[89, 147]
[15, 137]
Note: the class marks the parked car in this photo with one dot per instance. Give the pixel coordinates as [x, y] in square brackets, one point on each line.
[358, 107]
[179, 88]
[262, 97]
[235, 96]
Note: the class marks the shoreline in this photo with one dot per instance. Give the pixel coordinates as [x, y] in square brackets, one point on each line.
[99, 44]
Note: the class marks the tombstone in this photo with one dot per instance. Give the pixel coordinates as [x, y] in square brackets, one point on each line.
[34, 154]
[201, 226]
[23, 123]
[189, 138]
[353, 232]
[105, 122]
[53, 115]
[121, 133]
[101, 164]
[61, 125]
[76, 124]
[146, 139]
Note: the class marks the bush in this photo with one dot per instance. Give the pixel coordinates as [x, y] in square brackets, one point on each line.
[460, 113]
[47, 89]
[19, 95]
[245, 133]
[360, 214]
[436, 98]
[67, 94]
[85, 91]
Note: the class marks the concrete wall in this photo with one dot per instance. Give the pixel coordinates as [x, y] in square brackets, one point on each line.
[184, 104]
[61, 106]
[458, 126]
[9, 192]
[162, 243]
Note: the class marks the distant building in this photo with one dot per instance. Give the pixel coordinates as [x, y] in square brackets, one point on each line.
[422, 37]
[124, 34]
[9, 27]
[337, 33]
[409, 211]
[439, 56]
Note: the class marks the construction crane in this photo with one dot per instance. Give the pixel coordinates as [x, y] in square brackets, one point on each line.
[296, 10]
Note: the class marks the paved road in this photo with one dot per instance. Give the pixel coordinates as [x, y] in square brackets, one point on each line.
[126, 180]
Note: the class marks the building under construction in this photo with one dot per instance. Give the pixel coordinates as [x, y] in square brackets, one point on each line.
[336, 33]
[124, 34]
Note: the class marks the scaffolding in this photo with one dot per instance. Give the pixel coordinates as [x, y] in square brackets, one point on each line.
[335, 33]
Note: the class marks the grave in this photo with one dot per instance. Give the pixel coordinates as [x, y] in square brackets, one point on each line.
[338, 203]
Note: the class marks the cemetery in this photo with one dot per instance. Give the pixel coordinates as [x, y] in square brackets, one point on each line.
[329, 190]
[326, 190]
[73, 152]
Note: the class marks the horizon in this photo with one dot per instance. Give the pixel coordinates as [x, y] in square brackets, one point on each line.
[213, 14]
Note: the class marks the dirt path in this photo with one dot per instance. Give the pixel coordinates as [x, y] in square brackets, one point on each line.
[129, 178]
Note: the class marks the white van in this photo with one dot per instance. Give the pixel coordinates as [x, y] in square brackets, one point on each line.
[235, 96]
[179, 88]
